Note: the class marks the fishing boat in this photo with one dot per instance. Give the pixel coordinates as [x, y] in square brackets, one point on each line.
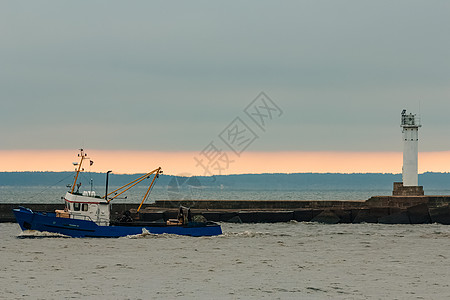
[89, 215]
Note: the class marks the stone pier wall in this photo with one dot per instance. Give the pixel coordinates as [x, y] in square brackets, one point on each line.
[378, 209]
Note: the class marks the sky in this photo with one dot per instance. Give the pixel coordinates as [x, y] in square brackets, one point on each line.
[153, 83]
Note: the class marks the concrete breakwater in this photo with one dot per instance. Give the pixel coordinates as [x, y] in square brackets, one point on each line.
[378, 209]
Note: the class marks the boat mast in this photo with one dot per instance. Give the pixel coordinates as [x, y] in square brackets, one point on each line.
[83, 156]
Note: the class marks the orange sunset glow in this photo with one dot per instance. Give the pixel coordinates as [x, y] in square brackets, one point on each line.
[127, 162]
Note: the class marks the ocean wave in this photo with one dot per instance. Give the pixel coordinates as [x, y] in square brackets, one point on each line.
[246, 233]
[146, 234]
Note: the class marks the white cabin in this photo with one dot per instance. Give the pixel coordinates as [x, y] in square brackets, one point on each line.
[87, 207]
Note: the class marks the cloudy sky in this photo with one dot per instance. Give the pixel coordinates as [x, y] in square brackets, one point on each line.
[171, 76]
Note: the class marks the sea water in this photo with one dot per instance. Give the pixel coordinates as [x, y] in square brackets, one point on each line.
[41, 194]
[249, 261]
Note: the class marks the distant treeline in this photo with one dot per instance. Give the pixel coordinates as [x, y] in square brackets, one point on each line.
[319, 181]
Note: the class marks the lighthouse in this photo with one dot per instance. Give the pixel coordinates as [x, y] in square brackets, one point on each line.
[410, 124]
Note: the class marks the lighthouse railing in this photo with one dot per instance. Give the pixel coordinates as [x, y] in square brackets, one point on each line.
[411, 120]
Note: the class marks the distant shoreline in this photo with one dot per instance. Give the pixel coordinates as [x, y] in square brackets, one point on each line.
[358, 181]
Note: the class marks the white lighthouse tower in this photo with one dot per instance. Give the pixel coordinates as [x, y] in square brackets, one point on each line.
[410, 124]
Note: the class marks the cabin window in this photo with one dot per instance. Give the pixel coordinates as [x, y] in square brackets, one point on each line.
[76, 206]
[84, 207]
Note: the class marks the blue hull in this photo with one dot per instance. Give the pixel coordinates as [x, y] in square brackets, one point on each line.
[42, 221]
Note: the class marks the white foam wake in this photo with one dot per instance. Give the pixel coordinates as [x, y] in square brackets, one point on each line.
[40, 234]
[144, 233]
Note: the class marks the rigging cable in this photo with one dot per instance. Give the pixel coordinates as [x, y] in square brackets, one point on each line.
[37, 194]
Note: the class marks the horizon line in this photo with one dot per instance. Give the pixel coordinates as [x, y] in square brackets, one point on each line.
[250, 162]
[237, 174]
